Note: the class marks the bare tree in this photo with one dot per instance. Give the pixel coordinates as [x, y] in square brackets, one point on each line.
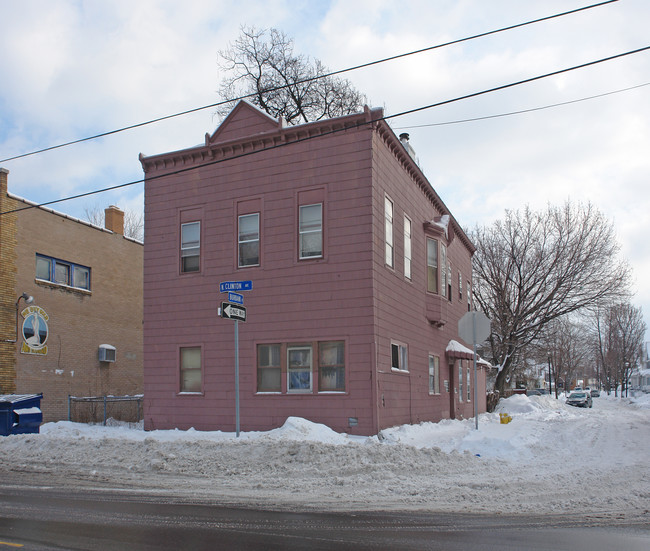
[566, 343]
[262, 64]
[133, 221]
[534, 267]
[618, 336]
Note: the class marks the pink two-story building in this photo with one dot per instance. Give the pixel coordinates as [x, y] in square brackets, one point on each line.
[359, 276]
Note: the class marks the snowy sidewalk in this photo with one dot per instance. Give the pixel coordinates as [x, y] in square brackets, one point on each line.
[551, 458]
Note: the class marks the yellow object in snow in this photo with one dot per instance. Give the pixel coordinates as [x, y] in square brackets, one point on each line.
[505, 418]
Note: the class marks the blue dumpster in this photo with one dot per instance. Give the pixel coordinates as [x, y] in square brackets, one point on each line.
[20, 413]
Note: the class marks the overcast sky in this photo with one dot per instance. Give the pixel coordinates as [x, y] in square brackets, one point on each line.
[71, 69]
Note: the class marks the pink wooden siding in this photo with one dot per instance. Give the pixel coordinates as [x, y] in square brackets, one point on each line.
[347, 295]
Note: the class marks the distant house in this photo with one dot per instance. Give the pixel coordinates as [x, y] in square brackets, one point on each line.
[70, 305]
[359, 275]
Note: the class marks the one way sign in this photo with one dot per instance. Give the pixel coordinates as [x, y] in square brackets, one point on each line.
[233, 311]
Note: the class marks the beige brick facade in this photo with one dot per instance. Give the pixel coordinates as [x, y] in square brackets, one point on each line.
[78, 320]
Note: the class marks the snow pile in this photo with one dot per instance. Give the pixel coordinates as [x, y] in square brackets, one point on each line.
[550, 458]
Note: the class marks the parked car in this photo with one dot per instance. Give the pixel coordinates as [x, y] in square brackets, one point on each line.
[595, 393]
[536, 392]
[580, 399]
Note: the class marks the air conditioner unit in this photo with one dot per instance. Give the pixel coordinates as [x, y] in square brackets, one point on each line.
[106, 353]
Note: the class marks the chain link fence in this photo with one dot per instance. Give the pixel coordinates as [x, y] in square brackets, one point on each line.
[100, 409]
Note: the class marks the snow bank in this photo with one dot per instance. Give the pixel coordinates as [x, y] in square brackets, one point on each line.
[551, 458]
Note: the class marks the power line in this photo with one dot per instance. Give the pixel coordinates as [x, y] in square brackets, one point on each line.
[275, 146]
[522, 111]
[333, 73]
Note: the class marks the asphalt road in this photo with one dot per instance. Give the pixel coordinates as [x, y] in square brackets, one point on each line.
[48, 519]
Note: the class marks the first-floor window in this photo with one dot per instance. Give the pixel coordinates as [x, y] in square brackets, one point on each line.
[268, 368]
[299, 368]
[434, 374]
[460, 380]
[399, 357]
[331, 366]
[191, 369]
[469, 389]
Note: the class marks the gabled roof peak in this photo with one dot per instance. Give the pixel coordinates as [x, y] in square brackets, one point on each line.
[244, 120]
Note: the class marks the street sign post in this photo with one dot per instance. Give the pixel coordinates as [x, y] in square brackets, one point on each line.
[234, 310]
[474, 327]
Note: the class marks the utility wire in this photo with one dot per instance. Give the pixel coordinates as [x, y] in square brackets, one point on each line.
[401, 114]
[522, 111]
[333, 73]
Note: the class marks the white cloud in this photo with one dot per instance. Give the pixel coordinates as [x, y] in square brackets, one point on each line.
[79, 68]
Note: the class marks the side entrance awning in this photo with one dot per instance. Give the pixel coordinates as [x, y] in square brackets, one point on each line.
[456, 351]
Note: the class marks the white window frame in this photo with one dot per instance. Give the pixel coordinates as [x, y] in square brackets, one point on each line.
[434, 374]
[461, 374]
[389, 208]
[407, 247]
[442, 269]
[191, 249]
[252, 238]
[309, 232]
[402, 357]
[433, 270]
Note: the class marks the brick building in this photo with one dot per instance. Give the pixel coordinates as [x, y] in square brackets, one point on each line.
[360, 275]
[85, 283]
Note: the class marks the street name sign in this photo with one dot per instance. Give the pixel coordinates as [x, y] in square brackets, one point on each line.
[233, 311]
[236, 298]
[226, 286]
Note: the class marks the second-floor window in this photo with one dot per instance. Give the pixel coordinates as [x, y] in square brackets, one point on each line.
[62, 272]
[407, 248]
[388, 217]
[443, 270]
[190, 247]
[432, 265]
[249, 240]
[310, 230]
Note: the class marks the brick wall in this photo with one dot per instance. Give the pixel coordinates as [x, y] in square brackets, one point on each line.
[7, 289]
[78, 320]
